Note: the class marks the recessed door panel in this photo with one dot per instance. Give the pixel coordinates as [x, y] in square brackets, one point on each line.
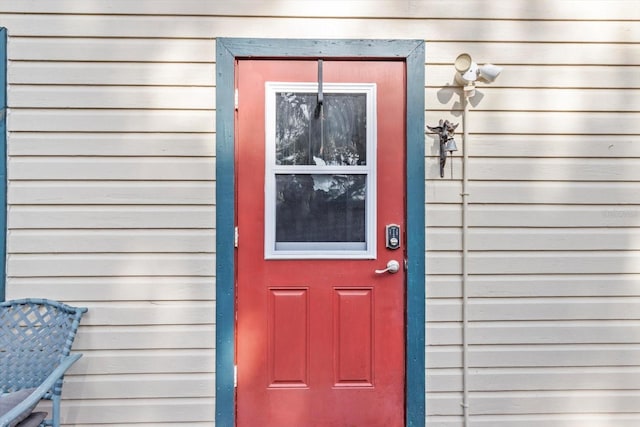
[354, 331]
[288, 319]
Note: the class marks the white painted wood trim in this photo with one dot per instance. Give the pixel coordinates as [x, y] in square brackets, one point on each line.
[319, 250]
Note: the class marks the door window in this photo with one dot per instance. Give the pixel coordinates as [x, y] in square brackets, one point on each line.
[320, 171]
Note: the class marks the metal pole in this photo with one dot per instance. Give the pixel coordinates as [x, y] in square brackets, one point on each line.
[467, 91]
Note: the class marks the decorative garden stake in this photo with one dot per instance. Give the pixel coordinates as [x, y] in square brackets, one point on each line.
[445, 131]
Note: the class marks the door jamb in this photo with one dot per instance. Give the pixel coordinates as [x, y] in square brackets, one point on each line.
[228, 50]
[3, 161]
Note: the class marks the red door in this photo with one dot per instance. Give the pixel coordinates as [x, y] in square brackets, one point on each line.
[320, 333]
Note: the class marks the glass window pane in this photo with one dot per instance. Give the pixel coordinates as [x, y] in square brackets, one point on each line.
[320, 208]
[308, 134]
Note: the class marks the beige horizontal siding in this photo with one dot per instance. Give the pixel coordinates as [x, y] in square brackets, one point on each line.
[538, 215]
[540, 308]
[150, 144]
[143, 410]
[538, 332]
[109, 97]
[111, 50]
[555, 146]
[529, 53]
[537, 356]
[533, 379]
[527, 285]
[48, 25]
[111, 120]
[142, 386]
[111, 217]
[112, 198]
[203, 51]
[193, 424]
[548, 99]
[111, 192]
[109, 362]
[140, 253]
[546, 420]
[118, 264]
[112, 241]
[538, 76]
[544, 122]
[532, 192]
[537, 262]
[112, 73]
[152, 313]
[537, 402]
[553, 242]
[203, 74]
[141, 337]
[515, 9]
[528, 239]
[113, 168]
[545, 169]
[142, 288]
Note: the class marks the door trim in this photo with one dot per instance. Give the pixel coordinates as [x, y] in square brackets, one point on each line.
[3, 162]
[412, 52]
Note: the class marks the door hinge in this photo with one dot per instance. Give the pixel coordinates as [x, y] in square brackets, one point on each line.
[235, 376]
[235, 237]
[235, 99]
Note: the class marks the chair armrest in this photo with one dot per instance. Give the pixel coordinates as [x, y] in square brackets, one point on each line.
[40, 391]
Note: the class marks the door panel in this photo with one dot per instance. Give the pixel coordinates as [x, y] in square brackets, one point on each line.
[288, 352]
[320, 335]
[353, 335]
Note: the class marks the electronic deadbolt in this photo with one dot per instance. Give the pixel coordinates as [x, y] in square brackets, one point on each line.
[392, 232]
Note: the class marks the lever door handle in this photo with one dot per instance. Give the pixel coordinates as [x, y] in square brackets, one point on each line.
[393, 266]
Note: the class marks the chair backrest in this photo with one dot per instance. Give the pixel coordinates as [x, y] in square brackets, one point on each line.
[35, 334]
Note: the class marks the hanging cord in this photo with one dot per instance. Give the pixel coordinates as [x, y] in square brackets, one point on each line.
[320, 106]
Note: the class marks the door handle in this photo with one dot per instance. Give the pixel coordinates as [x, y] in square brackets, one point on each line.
[392, 267]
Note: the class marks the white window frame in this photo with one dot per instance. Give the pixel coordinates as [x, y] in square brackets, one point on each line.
[319, 250]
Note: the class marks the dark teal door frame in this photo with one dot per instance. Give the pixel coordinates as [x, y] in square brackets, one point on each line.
[228, 50]
[3, 161]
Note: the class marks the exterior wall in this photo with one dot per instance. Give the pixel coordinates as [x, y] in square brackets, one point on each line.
[111, 189]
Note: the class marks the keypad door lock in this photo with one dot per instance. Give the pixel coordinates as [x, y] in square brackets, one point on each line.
[392, 233]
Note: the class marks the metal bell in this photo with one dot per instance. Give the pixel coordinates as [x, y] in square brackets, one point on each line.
[450, 145]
